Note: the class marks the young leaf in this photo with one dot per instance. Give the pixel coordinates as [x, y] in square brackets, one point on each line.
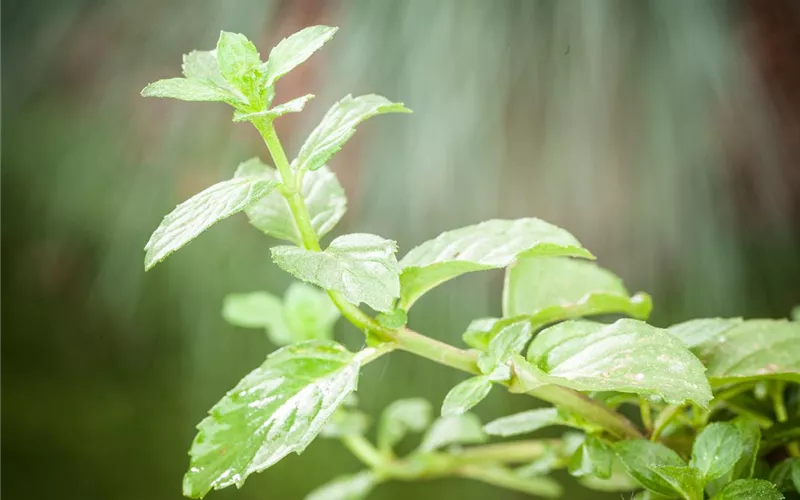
[203, 65]
[557, 288]
[345, 423]
[626, 356]
[394, 319]
[238, 59]
[309, 312]
[362, 267]
[294, 50]
[492, 244]
[258, 310]
[593, 458]
[510, 340]
[716, 450]
[446, 431]
[542, 466]
[323, 195]
[640, 457]
[686, 481]
[351, 487]
[293, 106]
[465, 395]
[620, 481]
[524, 422]
[339, 124]
[276, 409]
[188, 89]
[479, 333]
[200, 212]
[750, 434]
[401, 417]
[749, 489]
[751, 350]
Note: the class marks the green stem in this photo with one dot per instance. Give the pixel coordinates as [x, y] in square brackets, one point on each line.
[513, 452]
[777, 401]
[646, 412]
[497, 476]
[363, 450]
[413, 342]
[666, 416]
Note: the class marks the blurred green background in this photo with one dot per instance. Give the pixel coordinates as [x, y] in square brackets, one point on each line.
[663, 134]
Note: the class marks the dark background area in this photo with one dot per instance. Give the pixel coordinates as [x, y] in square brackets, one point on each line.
[664, 135]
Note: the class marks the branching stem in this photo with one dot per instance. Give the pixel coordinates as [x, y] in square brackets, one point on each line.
[408, 340]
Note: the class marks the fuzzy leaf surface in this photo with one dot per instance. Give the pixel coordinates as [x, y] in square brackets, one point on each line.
[562, 288]
[737, 351]
[276, 409]
[339, 124]
[362, 267]
[625, 356]
[492, 244]
[201, 211]
[465, 395]
[295, 49]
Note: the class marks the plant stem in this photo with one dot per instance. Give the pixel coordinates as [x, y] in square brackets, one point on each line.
[615, 423]
[513, 452]
[646, 412]
[539, 486]
[664, 418]
[776, 392]
[363, 450]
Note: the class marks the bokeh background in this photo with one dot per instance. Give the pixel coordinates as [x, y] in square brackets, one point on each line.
[663, 134]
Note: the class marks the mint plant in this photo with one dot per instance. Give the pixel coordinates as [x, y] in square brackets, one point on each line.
[718, 401]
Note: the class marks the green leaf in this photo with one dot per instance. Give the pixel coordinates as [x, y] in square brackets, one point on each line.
[735, 351]
[293, 106]
[640, 457]
[351, 487]
[626, 356]
[400, 418]
[750, 434]
[306, 313]
[309, 312]
[796, 474]
[556, 288]
[749, 489]
[593, 458]
[187, 89]
[696, 332]
[686, 481]
[510, 340]
[294, 50]
[465, 395]
[492, 244]
[345, 423]
[324, 197]
[524, 422]
[393, 319]
[446, 431]
[258, 310]
[203, 65]
[238, 60]
[339, 124]
[716, 450]
[549, 461]
[276, 409]
[362, 267]
[479, 333]
[619, 481]
[200, 212]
